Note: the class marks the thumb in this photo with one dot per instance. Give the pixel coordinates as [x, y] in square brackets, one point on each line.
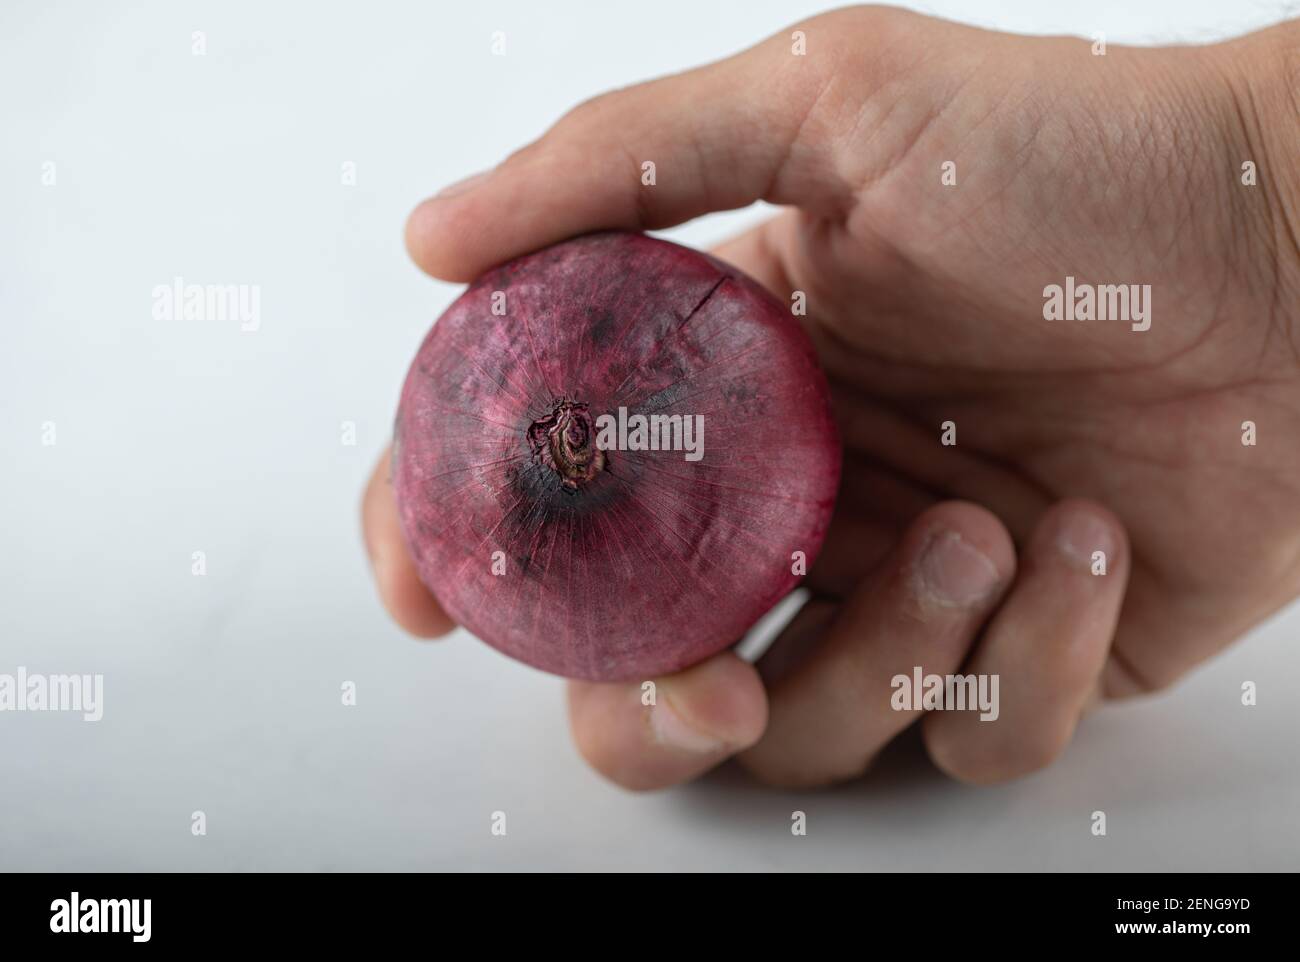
[719, 137]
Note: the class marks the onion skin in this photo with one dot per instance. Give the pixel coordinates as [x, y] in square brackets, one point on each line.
[613, 565]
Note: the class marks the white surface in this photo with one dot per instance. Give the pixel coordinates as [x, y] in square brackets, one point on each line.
[222, 692]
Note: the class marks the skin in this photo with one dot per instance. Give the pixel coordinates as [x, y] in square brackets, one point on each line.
[925, 302]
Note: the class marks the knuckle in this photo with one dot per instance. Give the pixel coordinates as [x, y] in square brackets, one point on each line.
[589, 111]
[963, 762]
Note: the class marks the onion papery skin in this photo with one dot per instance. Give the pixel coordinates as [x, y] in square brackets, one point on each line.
[644, 563]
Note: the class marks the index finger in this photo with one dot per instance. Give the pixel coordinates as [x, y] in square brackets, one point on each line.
[400, 588]
[649, 156]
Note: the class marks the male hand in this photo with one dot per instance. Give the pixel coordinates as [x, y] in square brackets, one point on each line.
[925, 299]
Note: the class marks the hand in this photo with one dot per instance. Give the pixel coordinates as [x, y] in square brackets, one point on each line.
[926, 302]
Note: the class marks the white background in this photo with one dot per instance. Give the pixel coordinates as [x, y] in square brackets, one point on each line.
[223, 692]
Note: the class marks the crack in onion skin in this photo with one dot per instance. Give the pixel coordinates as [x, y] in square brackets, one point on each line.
[618, 565]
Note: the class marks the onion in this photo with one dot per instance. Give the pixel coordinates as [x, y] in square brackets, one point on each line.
[561, 541]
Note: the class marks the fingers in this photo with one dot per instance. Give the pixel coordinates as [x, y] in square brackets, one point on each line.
[1046, 646]
[922, 608]
[718, 137]
[698, 718]
[400, 588]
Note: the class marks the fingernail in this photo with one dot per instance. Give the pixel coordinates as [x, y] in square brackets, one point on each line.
[670, 729]
[1081, 535]
[462, 186]
[953, 572]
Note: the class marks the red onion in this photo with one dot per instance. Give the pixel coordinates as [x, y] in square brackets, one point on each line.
[547, 540]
